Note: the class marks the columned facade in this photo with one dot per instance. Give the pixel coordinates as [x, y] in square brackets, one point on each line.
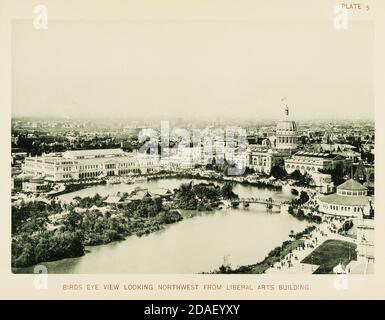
[286, 134]
[82, 164]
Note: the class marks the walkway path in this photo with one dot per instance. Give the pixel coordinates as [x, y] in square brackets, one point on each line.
[291, 263]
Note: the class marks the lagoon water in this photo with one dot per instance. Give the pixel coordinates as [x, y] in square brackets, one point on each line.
[193, 245]
[112, 189]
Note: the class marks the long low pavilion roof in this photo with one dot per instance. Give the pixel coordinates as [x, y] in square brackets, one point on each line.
[346, 200]
[94, 152]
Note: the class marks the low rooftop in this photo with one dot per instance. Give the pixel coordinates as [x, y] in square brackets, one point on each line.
[346, 200]
[326, 155]
[92, 152]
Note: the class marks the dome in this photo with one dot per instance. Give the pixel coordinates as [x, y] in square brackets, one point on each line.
[286, 125]
[286, 132]
[351, 188]
[351, 185]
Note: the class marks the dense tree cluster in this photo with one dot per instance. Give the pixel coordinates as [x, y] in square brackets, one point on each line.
[302, 199]
[35, 238]
[45, 246]
[203, 196]
[302, 180]
[337, 174]
[278, 172]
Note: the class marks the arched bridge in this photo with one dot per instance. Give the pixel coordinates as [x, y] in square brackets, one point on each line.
[268, 202]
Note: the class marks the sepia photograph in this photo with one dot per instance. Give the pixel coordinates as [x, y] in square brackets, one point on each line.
[195, 146]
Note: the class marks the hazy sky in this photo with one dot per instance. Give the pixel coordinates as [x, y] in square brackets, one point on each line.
[192, 69]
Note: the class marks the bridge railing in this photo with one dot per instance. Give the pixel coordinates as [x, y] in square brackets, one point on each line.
[261, 200]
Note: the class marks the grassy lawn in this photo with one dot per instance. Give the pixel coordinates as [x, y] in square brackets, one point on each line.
[331, 253]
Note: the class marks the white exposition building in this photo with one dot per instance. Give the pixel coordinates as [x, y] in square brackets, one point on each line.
[312, 162]
[81, 164]
[91, 164]
[262, 160]
[350, 200]
[365, 245]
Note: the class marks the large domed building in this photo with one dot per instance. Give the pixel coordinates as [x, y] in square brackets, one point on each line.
[350, 200]
[286, 134]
